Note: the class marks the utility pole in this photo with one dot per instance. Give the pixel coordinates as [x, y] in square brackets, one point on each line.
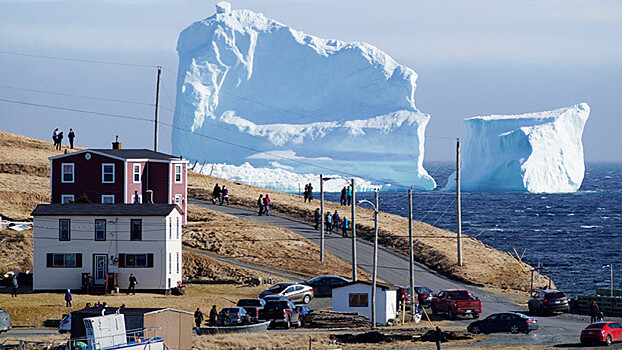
[373, 287]
[458, 210]
[321, 218]
[353, 202]
[157, 111]
[411, 255]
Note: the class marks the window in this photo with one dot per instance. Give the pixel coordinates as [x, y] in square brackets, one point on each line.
[170, 263]
[100, 229]
[108, 173]
[136, 172]
[64, 230]
[178, 227]
[108, 198]
[177, 173]
[178, 263]
[66, 198]
[136, 230]
[67, 173]
[136, 260]
[178, 200]
[64, 260]
[358, 300]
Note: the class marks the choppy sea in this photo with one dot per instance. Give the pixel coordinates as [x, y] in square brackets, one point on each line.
[573, 234]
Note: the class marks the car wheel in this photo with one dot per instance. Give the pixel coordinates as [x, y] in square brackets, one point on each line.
[475, 315]
[450, 314]
[303, 321]
[514, 329]
[434, 312]
[306, 299]
[475, 330]
[287, 325]
[608, 340]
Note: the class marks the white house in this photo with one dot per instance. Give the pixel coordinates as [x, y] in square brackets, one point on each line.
[72, 239]
[356, 297]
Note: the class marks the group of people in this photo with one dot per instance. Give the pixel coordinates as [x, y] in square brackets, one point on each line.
[332, 222]
[220, 195]
[57, 136]
[308, 193]
[346, 196]
[213, 316]
[264, 205]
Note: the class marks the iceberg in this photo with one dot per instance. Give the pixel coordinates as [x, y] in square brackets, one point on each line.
[535, 152]
[253, 90]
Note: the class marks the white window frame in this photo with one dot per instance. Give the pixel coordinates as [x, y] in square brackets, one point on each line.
[178, 166]
[109, 196]
[62, 173]
[113, 171]
[66, 198]
[178, 228]
[178, 199]
[170, 263]
[134, 173]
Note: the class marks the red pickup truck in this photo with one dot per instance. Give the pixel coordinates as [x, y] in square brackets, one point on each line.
[456, 302]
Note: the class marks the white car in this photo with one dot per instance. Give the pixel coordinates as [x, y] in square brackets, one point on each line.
[65, 324]
[298, 293]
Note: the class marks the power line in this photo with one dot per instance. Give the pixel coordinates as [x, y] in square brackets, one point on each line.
[77, 60]
[79, 96]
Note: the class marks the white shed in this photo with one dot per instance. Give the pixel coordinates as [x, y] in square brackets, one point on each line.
[356, 297]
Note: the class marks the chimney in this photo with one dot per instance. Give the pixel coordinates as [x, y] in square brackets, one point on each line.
[149, 198]
[116, 144]
[136, 200]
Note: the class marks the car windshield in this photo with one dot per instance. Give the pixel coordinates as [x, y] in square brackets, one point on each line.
[230, 310]
[555, 295]
[521, 315]
[458, 295]
[314, 279]
[422, 290]
[249, 302]
[598, 325]
[271, 305]
[278, 288]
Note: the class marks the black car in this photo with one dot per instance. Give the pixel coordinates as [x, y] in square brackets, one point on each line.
[323, 285]
[512, 322]
[548, 301]
[304, 313]
[424, 295]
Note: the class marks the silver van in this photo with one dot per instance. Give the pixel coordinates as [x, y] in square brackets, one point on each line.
[5, 321]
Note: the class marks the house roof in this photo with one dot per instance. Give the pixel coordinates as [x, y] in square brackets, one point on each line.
[98, 209]
[126, 154]
[383, 286]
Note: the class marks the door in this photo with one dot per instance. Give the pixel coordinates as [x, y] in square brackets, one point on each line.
[100, 268]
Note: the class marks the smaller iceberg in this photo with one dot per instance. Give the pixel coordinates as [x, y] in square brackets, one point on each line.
[536, 152]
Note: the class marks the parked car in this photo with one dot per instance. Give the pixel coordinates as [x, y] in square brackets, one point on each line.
[323, 285]
[548, 301]
[275, 297]
[403, 295]
[252, 307]
[233, 316]
[424, 295]
[65, 324]
[456, 302]
[5, 321]
[304, 314]
[601, 332]
[281, 312]
[512, 322]
[294, 291]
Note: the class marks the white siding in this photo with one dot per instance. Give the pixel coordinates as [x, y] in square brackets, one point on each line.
[154, 240]
[385, 301]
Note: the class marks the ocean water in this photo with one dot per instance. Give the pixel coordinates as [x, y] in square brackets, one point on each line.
[573, 234]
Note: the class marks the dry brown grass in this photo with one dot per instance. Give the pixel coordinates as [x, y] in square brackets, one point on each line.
[15, 250]
[30, 310]
[260, 244]
[436, 248]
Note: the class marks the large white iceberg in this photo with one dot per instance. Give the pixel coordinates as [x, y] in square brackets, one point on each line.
[535, 152]
[251, 89]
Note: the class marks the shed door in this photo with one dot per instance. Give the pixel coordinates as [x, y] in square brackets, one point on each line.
[100, 268]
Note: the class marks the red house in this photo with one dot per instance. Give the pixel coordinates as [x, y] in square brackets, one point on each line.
[119, 176]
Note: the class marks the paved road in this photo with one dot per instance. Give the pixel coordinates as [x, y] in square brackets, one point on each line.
[393, 268]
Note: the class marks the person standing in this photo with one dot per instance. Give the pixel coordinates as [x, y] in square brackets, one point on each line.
[198, 317]
[55, 138]
[71, 136]
[213, 315]
[59, 138]
[438, 337]
[14, 286]
[133, 283]
[316, 218]
[344, 195]
[310, 194]
[216, 194]
[225, 195]
[266, 205]
[329, 222]
[349, 195]
[344, 227]
[336, 221]
[68, 298]
[594, 312]
[306, 192]
[260, 204]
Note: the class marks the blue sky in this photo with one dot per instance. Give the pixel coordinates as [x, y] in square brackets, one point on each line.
[473, 58]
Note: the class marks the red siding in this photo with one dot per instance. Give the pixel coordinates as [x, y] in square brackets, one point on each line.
[131, 185]
[87, 178]
[157, 180]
